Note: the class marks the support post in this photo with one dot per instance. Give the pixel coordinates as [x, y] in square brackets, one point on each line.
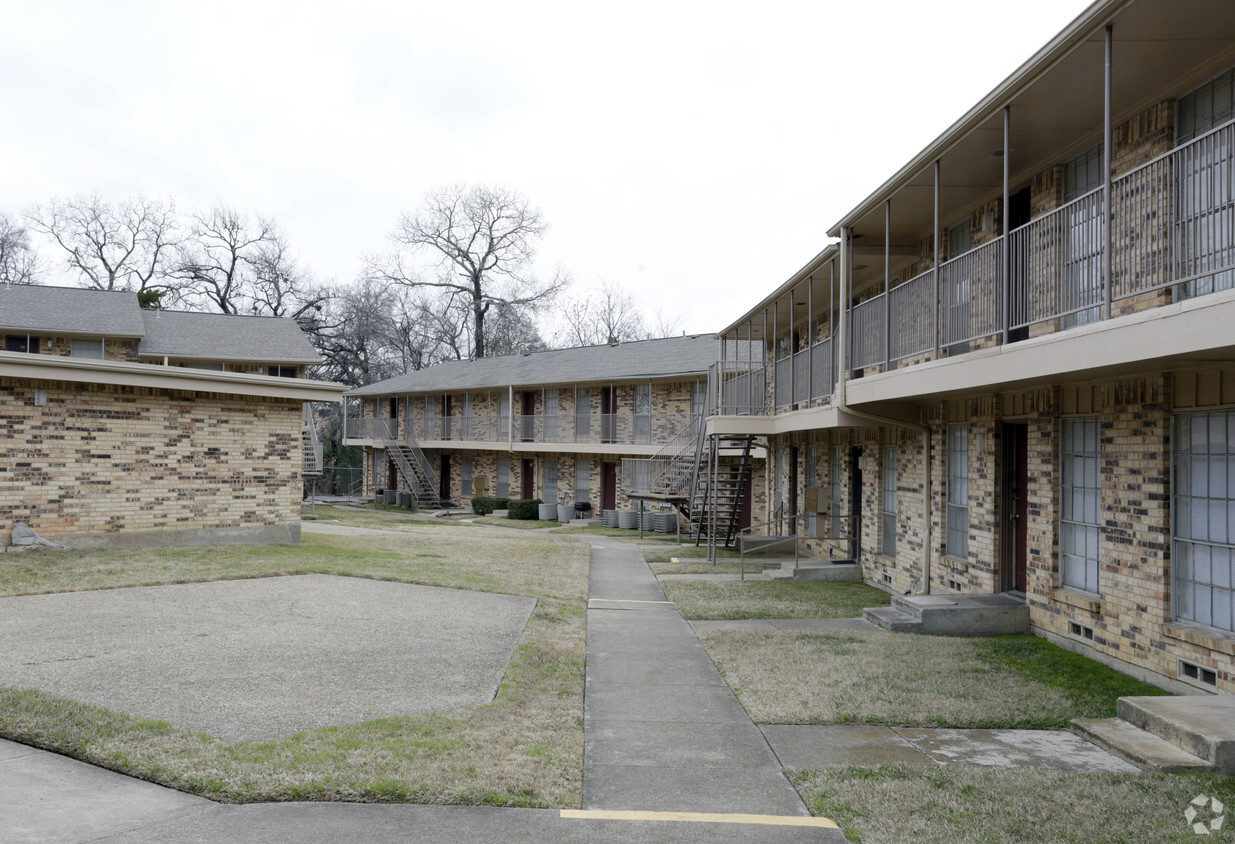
[1107, 275]
[810, 339]
[887, 283]
[935, 306]
[1007, 238]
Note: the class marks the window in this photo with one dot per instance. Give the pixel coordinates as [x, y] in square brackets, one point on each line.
[21, 343]
[378, 461]
[958, 293]
[503, 416]
[201, 364]
[958, 491]
[643, 413]
[1203, 512]
[87, 348]
[503, 476]
[1206, 204]
[583, 413]
[550, 401]
[583, 481]
[281, 371]
[465, 473]
[550, 496]
[889, 501]
[1083, 238]
[432, 430]
[1079, 504]
[467, 416]
[837, 496]
[698, 400]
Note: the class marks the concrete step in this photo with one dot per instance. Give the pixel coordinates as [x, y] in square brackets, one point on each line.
[1200, 725]
[965, 615]
[1143, 749]
[821, 570]
[892, 620]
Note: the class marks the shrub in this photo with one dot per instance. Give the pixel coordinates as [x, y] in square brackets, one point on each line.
[525, 508]
[484, 505]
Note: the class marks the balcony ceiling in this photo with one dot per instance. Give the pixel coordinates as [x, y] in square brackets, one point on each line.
[1161, 50]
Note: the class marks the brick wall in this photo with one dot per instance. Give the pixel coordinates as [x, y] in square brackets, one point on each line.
[102, 459]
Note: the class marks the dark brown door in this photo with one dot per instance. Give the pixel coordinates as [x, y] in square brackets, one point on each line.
[443, 480]
[529, 417]
[392, 479]
[608, 485]
[791, 500]
[527, 477]
[608, 415]
[744, 511]
[1014, 508]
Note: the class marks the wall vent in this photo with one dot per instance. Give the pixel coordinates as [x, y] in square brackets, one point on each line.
[1080, 631]
[1198, 675]
[954, 585]
[887, 578]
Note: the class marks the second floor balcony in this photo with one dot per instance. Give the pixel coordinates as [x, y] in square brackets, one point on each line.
[600, 429]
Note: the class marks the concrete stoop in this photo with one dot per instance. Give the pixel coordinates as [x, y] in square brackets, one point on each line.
[816, 570]
[952, 615]
[1169, 734]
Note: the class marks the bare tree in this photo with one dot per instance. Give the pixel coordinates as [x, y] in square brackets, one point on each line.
[610, 315]
[483, 239]
[356, 350]
[122, 246]
[19, 263]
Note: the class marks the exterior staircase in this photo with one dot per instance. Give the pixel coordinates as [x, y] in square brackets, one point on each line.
[311, 461]
[952, 615]
[415, 470]
[1172, 734]
[717, 485]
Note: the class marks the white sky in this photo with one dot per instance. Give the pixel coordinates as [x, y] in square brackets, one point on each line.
[694, 152]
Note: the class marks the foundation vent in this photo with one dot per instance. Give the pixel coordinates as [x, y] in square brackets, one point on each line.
[1198, 675]
[1080, 631]
[887, 578]
[954, 585]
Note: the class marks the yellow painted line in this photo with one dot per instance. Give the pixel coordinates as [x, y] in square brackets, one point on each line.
[697, 817]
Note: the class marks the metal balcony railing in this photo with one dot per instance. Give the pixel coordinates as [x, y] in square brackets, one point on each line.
[371, 429]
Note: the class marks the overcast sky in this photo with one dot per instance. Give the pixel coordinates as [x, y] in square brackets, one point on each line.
[694, 152]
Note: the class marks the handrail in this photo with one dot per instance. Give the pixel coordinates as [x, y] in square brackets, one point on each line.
[794, 534]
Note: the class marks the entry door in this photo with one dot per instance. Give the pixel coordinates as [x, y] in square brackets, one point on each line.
[443, 481]
[608, 481]
[855, 500]
[527, 477]
[744, 512]
[1014, 508]
[608, 418]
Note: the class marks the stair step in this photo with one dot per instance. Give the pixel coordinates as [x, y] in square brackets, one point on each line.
[1143, 749]
[891, 619]
[965, 615]
[1200, 725]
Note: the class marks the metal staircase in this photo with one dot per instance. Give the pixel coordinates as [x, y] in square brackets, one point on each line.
[717, 488]
[311, 454]
[415, 470]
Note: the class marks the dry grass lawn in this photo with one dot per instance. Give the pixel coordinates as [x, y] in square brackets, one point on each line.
[858, 677]
[969, 803]
[523, 749]
[771, 599]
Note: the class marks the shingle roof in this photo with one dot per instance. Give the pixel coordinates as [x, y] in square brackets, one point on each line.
[69, 310]
[225, 337]
[639, 359]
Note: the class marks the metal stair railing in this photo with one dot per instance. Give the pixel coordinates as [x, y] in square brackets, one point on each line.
[313, 458]
[421, 480]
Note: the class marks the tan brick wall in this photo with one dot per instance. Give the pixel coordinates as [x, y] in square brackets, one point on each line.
[101, 459]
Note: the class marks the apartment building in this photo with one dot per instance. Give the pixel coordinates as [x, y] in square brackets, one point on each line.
[555, 425]
[121, 426]
[1014, 372]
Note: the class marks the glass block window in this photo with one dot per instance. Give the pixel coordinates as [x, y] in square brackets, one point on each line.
[1203, 515]
[958, 491]
[503, 476]
[888, 503]
[1079, 503]
[583, 480]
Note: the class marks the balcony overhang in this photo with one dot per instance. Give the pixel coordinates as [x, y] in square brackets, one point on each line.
[1184, 334]
[517, 447]
[806, 419]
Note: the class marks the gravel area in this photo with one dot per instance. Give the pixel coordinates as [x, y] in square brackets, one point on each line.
[264, 658]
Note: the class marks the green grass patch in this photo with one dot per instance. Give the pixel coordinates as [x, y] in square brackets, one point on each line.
[523, 749]
[771, 599]
[518, 524]
[871, 677]
[660, 554]
[972, 803]
[617, 533]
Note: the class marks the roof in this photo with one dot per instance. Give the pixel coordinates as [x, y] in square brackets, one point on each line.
[182, 334]
[69, 310]
[689, 355]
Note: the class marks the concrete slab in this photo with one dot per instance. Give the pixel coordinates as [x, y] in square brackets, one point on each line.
[735, 790]
[677, 666]
[253, 659]
[1140, 748]
[1203, 725]
[1055, 749]
[633, 702]
[802, 746]
[785, 624]
[45, 797]
[679, 745]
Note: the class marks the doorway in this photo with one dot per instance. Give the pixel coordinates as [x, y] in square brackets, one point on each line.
[1014, 507]
[608, 486]
[1019, 213]
[527, 478]
[443, 480]
[855, 501]
[392, 474]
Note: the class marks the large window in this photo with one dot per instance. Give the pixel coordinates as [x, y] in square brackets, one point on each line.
[432, 429]
[889, 501]
[583, 480]
[465, 472]
[583, 414]
[958, 491]
[643, 413]
[550, 494]
[550, 401]
[467, 416]
[82, 347]
[1080, 503]
[503, 415]
[503, 476]
[1203, 511]
[1206, 201]
[1083, 238]
[836, 497]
